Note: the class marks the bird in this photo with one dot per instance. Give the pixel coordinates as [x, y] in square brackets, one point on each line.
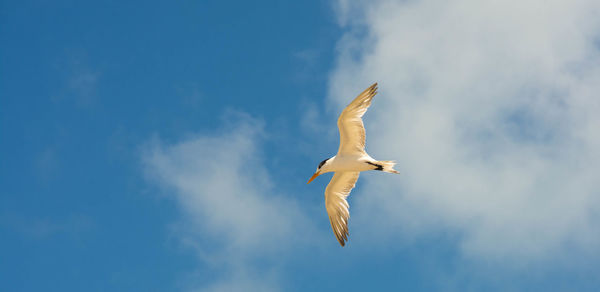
[349, 161]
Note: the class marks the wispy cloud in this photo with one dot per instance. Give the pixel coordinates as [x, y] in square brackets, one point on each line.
[79, 77]
[490, 108]
[47, 164]
[42, 228]
[234, 219]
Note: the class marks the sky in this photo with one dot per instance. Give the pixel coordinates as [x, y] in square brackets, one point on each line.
[165, 146]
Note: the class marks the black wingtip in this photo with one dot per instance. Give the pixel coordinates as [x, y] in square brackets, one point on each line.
[373, 88]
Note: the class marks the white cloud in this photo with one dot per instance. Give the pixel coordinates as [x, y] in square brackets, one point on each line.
[491, 109]
[233, 217]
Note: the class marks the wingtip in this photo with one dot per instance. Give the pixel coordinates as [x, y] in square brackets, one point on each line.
[343, 238]
[372, 90]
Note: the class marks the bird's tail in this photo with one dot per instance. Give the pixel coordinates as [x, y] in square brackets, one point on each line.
[388, 166]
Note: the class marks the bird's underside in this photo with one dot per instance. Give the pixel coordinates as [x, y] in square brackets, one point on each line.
[350, 160]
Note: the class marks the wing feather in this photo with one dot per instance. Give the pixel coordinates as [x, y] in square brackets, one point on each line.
[350, 124]
[335, 201]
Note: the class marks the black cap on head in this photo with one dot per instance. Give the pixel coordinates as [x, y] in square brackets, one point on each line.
[322, 162]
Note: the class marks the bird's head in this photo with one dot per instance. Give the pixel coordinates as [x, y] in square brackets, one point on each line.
[321, 169]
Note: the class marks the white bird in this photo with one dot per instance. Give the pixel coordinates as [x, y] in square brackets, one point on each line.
[350, 160]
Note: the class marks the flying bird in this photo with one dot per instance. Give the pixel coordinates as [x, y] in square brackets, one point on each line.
[349, 161]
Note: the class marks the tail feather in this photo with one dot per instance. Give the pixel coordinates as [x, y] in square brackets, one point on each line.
[388, 166]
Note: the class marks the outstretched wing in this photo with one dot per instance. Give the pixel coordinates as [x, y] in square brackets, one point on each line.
[350, 124]
[335, 201]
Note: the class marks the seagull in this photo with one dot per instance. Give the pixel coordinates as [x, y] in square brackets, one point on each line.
[349, 161]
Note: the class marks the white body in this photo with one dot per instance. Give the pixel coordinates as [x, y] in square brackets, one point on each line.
[350, 160]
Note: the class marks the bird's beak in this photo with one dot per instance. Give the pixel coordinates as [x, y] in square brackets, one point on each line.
[314, 176]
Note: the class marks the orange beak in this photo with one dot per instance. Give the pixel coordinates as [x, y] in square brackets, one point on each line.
[313, 177]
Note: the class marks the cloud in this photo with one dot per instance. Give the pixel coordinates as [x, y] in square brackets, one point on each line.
[80, 79]
[239, 225]
[43, 228]
[491, 109]
[47, 164]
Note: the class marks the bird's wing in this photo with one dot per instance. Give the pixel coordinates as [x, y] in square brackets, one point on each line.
[350, 124]
[335, 201]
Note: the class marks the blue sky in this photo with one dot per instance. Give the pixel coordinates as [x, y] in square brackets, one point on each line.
[154, 146]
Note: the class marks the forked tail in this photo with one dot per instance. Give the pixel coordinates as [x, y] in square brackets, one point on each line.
[388, 166]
